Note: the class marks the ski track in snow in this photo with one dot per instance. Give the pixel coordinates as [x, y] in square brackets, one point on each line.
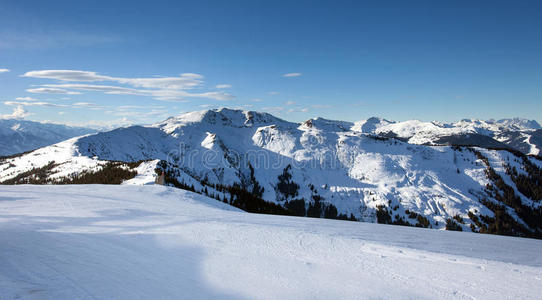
[155, 242]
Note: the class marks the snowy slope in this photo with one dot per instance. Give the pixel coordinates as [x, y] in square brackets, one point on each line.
[18, 136]
[527, 141]
[154, 242]
[353, 171]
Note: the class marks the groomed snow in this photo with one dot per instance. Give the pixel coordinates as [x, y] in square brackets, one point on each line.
[155, 242]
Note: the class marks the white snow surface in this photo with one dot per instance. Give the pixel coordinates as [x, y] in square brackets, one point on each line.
[156, 242]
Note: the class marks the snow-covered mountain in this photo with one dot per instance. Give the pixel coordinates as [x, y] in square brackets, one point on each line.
[518, 124]
[370, 125]
[17, 136]
[319, 168]
[519, 134]
[155, 242]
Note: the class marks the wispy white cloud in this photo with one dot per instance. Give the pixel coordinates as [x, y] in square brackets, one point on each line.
[18, 113]
[92, 106]
[223, 86]
[192, 75]
[77, 105]
[184, 81]
[161, 88]
[207, 105]
[44, 90]
[165, 94]
[179, 95]
[126, 107]
[290, 102]
[273, 93]
[292, 75]
[26, 99]
[107, 89]
[34, 103]
[66, 75]
[140, 114]
[4, 70]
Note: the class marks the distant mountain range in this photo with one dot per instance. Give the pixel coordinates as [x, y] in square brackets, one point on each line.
[373, 170]
[524, 135]
[18, 136]
[520, 134]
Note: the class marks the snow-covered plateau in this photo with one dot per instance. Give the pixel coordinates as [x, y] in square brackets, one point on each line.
[157, 242]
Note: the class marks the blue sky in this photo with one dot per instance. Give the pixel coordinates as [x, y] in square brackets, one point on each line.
[349, 60]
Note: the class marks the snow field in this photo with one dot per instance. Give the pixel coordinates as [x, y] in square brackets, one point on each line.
[140, 242]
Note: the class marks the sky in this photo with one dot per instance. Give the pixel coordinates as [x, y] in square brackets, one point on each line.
[113, 63]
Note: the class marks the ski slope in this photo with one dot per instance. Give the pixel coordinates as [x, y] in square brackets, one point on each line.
[156, 242]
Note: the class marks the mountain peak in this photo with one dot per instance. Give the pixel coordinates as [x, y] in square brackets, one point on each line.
[222, 116]
[371, 124]
[327, 125]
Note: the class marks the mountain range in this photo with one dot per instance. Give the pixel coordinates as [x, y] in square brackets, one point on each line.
[520, 134]
[373, 171]
[18, 136]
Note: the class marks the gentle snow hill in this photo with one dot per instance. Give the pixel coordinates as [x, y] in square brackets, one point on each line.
[17, 136]
[155, 242]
